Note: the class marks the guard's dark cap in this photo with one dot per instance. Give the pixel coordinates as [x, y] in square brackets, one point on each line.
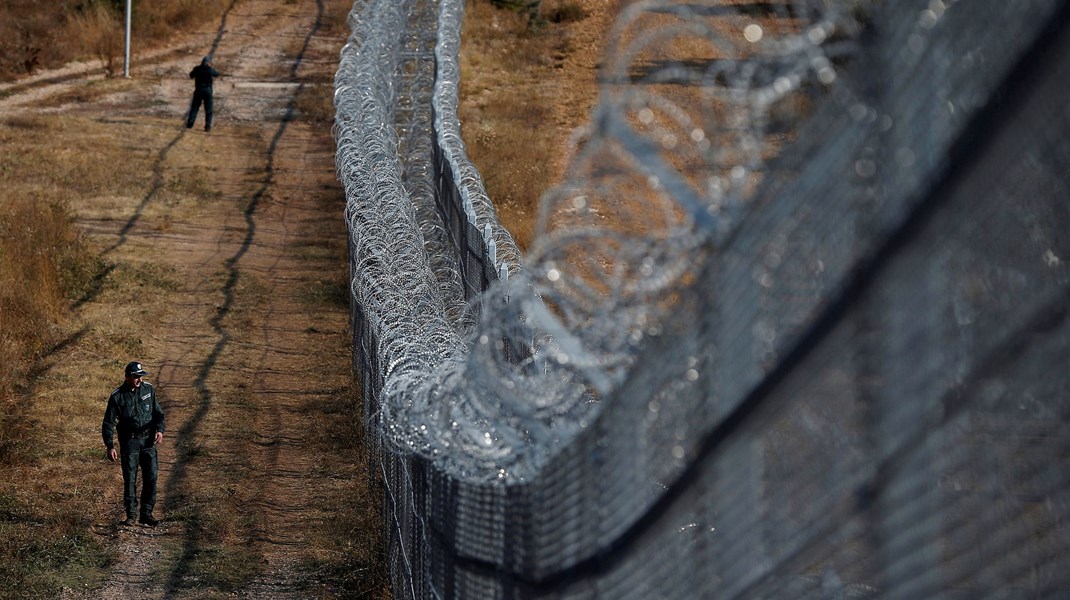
[135, 369]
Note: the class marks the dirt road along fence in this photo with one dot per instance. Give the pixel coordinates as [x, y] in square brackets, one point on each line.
[796, 325]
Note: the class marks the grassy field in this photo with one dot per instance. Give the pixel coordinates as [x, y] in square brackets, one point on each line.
[47, 492]
[50, 491]
[524, 90]
[53, 166]
[43, 34]
[57, 165]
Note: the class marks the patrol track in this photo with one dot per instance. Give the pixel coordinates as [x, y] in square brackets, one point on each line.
[280, 494]
[244, 332]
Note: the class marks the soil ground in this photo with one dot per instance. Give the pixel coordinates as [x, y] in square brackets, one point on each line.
[224, 270]
[235, 300]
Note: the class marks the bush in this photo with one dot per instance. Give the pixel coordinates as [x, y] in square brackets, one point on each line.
[42, 257]
[28, 37]
[44, 34]
[100, 34]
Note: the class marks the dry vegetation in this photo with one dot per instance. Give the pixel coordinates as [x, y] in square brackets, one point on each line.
[525, 89]
[42, 34]
[44, 264]
[52, 167]
[46, 162]
[45, 539]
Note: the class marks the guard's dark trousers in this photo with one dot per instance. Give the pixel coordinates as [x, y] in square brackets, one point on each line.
[139, 452]
[201, 95]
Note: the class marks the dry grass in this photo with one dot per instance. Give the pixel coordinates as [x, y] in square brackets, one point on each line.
[52, 474]
[49, 489]
[44, 262]
[523, 91]
[40, 34]
[503, 121]
[28, 37]
[351, 558]
[315, 103]
[335, 13]
[89, 91]
[159, 20]
[96, 31]
[40, 260]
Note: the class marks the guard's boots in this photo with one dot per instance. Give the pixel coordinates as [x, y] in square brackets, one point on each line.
[148, 521]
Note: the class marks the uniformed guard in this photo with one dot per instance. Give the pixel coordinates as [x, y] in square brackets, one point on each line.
[134, 408]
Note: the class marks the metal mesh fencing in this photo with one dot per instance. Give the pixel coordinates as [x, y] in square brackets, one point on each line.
[795, 325]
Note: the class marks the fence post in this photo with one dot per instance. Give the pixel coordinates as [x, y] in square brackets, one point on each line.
[126, 54]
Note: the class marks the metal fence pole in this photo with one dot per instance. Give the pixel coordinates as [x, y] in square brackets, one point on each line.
[126, 55]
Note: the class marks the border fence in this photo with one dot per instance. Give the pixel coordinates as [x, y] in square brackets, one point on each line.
[794, 326]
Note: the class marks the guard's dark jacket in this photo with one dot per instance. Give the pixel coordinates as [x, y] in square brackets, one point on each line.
[136, 411]
[202, 76]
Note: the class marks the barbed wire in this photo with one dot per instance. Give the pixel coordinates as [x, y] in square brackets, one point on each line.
[552, 425]
[669, 170]
[666, 170]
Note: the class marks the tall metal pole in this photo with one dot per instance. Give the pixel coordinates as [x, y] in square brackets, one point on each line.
[126, 57]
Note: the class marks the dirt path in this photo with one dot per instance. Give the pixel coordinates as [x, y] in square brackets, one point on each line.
[238, 298]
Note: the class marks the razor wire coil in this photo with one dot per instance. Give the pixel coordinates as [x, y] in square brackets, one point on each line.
[692, 387]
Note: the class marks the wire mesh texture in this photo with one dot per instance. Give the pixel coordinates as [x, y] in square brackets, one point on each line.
[794, 326]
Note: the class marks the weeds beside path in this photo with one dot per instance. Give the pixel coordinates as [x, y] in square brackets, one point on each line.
[222, 266]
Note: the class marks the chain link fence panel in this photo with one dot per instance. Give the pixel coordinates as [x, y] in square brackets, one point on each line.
[794, 325]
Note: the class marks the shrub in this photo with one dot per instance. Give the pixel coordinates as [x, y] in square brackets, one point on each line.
[42, 34]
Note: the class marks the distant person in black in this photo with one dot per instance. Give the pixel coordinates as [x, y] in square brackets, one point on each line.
[202, 75]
